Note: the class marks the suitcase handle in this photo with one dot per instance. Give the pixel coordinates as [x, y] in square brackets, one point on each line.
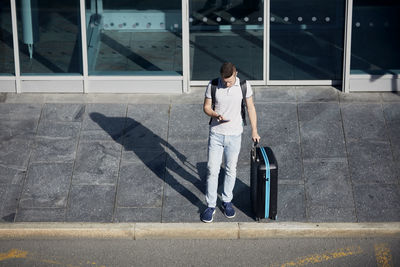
[255, 144]
[253, 150]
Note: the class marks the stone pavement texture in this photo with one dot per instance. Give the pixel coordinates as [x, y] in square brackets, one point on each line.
[142, 158]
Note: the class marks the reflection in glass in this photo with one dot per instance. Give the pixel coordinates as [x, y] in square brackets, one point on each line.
[49, 36]
[306, 39]
[6, 40]
[134, 37]
[375, 39]
[226, 30]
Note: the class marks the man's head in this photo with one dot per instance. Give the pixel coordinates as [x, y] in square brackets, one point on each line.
[228, 74]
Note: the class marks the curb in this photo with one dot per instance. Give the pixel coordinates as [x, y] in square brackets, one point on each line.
[141, 231]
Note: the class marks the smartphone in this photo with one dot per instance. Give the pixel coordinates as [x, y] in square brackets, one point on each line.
[223, 121]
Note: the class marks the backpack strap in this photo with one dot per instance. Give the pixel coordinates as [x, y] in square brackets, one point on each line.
[243, 86]
[214, 84]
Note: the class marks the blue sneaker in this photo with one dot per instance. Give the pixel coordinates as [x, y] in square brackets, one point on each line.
[228, 209]
[207, 215]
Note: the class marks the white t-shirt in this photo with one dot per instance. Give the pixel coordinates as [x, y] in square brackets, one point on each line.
[228, 104]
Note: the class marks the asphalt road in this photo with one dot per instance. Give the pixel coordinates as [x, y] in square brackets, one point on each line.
[265, 252]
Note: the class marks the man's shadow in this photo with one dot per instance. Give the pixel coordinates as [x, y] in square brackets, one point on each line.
[136, 137]
[129, 133]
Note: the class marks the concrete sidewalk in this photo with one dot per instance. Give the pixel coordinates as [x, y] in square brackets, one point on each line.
[142, 158]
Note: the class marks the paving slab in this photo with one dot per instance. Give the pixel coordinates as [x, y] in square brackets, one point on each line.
[392, 117]
[187, 123]
[9, 175]
[185, 173]
[3, 97]
[291, 203]
[140, 137]
[18, 129]
[63, 112]
[316, 94]
[15, 153]
[196, 96]
[391, 96]
[327, 183]
[371, 162]
[53, 150]
[179, 199]
[97, 163]
[360, 97]
[149, 98]
[103, 122]
[145, 215]
[278, 122]
[364, 121]
[377, 202]
[91, 203]
[41, 215]
[146, 126]
[142, 154]
[319, 214]
[321, 131]
[13, 98]
[20, 111]
[58, 129]
[47, 185]
[329, 191]
[9, 197]
[275, 94]
[288, 156]
[141, 185]
[188, 164]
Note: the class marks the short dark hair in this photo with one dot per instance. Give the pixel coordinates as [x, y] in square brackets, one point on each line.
[227, 69]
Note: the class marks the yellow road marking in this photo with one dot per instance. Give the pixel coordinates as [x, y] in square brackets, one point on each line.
[383, 255]
[317, 258]
[21, 254]
[13, 254]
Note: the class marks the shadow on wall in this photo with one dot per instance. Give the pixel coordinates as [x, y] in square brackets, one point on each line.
[165, 164]
[395, 80]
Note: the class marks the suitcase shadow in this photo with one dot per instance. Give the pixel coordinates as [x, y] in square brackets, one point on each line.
[136, 137]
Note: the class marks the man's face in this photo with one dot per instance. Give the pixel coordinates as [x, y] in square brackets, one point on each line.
[231, 80]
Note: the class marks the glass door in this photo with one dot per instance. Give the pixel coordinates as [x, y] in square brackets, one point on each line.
[306, 40]
[226, 30]
[127, 37]
[6, 40]
[375, 42]
[49, 37]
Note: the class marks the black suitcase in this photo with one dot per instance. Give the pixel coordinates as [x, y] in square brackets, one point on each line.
[264, 182]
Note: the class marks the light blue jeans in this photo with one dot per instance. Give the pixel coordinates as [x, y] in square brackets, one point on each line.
[218, 146]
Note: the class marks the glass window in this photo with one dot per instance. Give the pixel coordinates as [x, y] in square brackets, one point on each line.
[6, 40]
[375, 41]
[49, 36]
[306, 39]
[134, 37]
[226, 30]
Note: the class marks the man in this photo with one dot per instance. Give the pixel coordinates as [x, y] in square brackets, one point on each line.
[225, 136]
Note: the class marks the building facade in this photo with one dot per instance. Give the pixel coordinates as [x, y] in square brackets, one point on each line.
[155, 46]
